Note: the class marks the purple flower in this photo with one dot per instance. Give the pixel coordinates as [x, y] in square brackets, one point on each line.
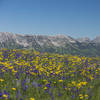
[40, 85]
[59, 94]
[48, 85]
[53, 98]
[36, 71]
[1, 94]
[35, 84]
[5, 92]
[73, 96]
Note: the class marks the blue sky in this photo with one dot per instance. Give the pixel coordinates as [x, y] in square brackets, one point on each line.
[76, 18]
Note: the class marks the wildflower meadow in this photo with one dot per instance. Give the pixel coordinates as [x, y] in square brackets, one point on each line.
[31, 75]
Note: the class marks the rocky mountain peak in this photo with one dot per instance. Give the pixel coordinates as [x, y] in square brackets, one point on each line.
[97, 39]
[55, 43]
[84, 39]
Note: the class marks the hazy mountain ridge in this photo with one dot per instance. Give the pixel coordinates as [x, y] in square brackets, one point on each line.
[57, 44]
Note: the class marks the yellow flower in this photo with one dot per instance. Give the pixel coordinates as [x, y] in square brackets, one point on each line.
[66, 89]
[54, 82]
[73, 82]
[32, 98]
[69, 89]
[72, 75]
[11, 67]
[3, 70]
[14, 71]
[14, 89]
[83, 83]
[86, 95]
[5, 96]
[91, 78]
[45, 88]
[57, 72]
[81, 97]
[1, 80]
[79, 85]
[60, 80]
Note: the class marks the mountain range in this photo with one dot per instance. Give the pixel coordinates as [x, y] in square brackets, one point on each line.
[60, 43]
